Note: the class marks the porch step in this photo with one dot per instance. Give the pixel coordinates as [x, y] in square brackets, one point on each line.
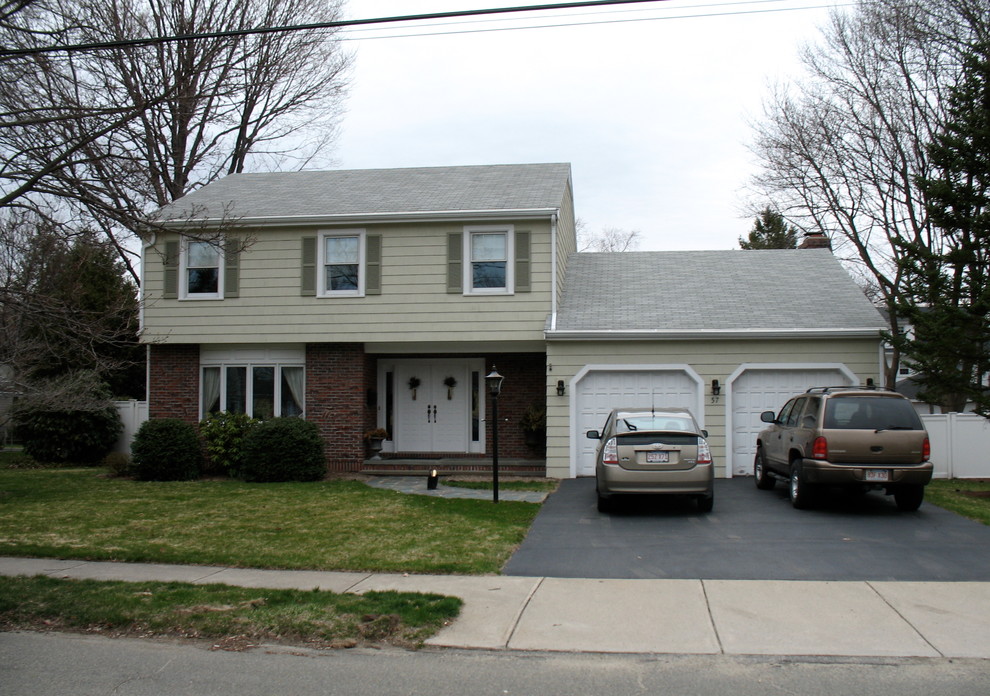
[445, 467]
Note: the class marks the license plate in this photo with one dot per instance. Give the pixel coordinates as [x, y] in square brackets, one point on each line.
[877, 475]
[657, 457]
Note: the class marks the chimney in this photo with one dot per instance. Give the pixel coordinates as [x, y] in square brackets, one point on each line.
[816, 240]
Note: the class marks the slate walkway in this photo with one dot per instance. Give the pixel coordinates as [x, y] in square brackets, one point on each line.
[417, 485]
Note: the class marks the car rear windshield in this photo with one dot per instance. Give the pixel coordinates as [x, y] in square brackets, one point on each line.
[633, 423]
[870, 413]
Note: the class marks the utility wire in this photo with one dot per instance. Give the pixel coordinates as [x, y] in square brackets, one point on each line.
[341, 24]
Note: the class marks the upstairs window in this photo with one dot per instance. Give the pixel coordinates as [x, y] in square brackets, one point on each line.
[489, 253]
[342, 260]
[201, 277]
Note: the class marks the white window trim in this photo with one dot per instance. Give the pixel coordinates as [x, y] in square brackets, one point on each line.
[321, 261]
[510, 261]
[184, 293]
[249, 385]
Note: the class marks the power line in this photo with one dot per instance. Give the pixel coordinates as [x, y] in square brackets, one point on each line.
[556, 25]
[345, 24]
[151, 41]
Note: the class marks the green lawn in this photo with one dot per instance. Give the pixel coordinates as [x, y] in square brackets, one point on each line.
[967, 497]
[231, 617]
[328, 525]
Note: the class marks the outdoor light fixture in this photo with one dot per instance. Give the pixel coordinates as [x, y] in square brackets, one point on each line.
[716, 389]
[494, 382]
[560, 387]
[431, 481]
[870, 383]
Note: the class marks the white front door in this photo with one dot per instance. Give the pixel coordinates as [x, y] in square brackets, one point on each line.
[433, 405]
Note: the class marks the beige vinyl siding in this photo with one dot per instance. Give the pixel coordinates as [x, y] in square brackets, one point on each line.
[413, 305]
[710, 359]
[566, 238]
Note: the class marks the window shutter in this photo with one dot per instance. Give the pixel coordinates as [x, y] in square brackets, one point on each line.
[231, 267]
[373, 264]
[455, 263]
[523, 265]
[308, 288]
[170, 289]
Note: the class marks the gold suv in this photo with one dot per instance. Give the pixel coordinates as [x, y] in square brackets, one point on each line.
[861, 438]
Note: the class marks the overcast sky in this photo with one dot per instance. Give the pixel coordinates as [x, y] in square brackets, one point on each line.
[653, 115]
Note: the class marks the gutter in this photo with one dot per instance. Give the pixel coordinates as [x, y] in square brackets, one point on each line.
[365, 218]
[708, 334]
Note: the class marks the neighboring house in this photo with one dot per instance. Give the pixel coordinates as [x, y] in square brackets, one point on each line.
[382, 298]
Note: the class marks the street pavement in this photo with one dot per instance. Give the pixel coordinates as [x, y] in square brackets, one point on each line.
[665, 616]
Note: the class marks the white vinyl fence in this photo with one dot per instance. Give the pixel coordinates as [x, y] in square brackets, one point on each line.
[960, 444]
[132, 415]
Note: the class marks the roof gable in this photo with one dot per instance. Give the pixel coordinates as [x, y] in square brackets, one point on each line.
[377, 192]
[705, 292]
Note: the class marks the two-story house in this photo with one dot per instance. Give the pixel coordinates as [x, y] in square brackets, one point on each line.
[362, 299]
[381, 298]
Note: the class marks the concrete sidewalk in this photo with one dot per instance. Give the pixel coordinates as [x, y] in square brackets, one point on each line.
[732, 617]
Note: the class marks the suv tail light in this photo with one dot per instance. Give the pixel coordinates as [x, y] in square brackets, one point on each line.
[926, 450]
[704, 453]
[819, 448]
[610, 453]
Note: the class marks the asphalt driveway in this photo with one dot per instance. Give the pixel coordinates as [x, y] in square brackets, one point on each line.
[751, 535]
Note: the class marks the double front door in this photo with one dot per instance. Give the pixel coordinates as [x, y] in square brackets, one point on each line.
[436, 405]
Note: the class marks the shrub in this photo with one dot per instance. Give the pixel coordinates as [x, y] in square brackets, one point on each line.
[283, 449]
[118, 463]
[54, 435]
[223, 437]
[166, 449]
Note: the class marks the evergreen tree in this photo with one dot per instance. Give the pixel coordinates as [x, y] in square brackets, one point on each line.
[770, 231]
[948, 299]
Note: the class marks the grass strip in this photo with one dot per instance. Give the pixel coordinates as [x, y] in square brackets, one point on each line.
[326, 525]
[231, 617]
[967, 497]
[548, 485]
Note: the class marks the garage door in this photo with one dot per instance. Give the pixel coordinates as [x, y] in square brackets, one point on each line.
[601, 390]
[757, 390]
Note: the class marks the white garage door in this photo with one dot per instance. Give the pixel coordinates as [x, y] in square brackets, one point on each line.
[758, 390]
[601, 390]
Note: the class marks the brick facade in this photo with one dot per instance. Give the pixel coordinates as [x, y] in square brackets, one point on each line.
[336, 400]
[173, 383]
[524, 386]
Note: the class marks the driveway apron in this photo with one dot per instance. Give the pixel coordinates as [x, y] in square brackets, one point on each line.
[751, 535]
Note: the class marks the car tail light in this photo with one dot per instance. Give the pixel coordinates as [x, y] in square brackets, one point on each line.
[610, 453]
[926, 450]
[704, 453]
[819, 448]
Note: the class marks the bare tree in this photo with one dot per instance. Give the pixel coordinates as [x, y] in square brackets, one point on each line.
[842, 150]
[609, 239]
[104, 137]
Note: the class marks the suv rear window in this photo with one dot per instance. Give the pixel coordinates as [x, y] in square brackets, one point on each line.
[870, 413]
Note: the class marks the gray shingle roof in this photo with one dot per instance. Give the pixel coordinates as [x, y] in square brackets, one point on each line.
[377, 192]
[697, 291]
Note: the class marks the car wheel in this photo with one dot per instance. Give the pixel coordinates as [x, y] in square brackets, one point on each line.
[706, 502]
[764, 481]
[909, 496]
[801, 492]
[604, 504]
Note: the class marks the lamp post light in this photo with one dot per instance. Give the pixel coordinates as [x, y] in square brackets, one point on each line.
[494, 382]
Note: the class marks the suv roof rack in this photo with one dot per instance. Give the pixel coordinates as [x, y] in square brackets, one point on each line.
[848, 387]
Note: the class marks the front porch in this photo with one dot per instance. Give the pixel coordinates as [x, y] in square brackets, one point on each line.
[405, 465]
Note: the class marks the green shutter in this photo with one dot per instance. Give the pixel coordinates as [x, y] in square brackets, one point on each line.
[170, 290]
[373, 264]
[523, 265]
[308, 288]
[455, 264]
[231, 267]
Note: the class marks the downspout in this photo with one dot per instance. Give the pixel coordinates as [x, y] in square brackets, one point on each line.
[553, 271]
[147, 349]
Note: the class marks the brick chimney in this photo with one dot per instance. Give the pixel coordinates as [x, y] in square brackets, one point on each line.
[816, 240]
